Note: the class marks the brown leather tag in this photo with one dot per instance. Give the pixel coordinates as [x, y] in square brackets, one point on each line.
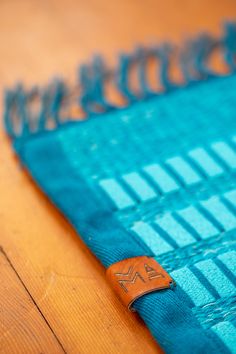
[135, 277]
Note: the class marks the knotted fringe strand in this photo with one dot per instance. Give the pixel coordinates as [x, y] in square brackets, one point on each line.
[22, 119]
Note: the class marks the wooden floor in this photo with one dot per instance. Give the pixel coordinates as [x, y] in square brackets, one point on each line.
[53, 293]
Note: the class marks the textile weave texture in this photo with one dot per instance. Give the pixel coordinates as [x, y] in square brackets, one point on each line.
[155, 177]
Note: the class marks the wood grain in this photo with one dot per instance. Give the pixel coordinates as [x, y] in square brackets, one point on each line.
[53, 292]
[22, 323]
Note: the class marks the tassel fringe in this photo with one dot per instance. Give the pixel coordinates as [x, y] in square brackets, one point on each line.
[40, 109]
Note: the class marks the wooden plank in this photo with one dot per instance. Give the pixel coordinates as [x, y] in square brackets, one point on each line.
[63, 277]
[64, 280]
[46, 38]
[23, 328]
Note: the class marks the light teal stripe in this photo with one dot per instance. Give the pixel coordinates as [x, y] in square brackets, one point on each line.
[231, 197]
[175, 230]
[229, 260]
[219, 211]
[216, 277]
[227, 333]
[163, 180]
[151, 238]
[139, 186]
[225, 152]
[199, 223]
[192, 286]
[184, 170]
[116, 193]
[206, 162]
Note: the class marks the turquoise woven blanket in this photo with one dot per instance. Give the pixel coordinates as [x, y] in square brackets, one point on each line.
[154, 177]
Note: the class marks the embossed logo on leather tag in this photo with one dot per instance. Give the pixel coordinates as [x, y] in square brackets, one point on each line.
[135, 277]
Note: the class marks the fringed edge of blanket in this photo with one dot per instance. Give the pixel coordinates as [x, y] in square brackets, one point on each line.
[40, 109]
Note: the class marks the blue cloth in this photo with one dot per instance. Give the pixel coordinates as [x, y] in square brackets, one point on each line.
[154, 178]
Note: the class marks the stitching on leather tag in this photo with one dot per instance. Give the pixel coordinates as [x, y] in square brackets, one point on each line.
[135, 277]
